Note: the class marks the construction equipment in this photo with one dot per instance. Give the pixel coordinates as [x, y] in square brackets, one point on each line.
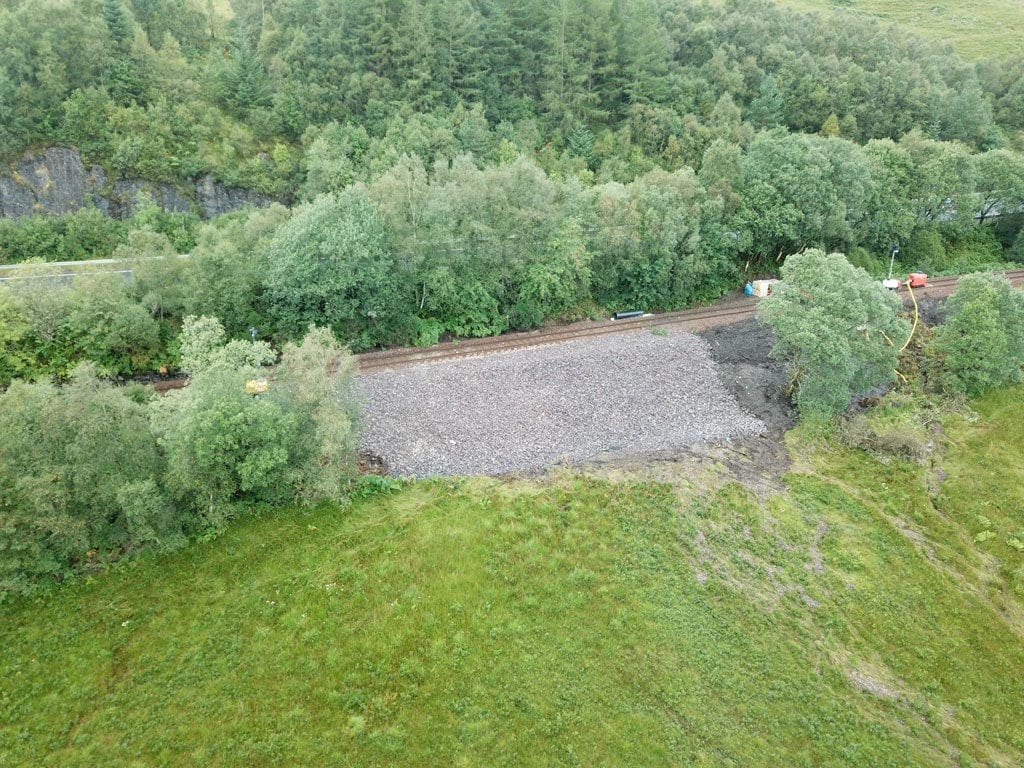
[917, 279]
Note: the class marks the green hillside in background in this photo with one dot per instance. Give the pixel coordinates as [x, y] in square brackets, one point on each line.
[977, 29]
[866, 615]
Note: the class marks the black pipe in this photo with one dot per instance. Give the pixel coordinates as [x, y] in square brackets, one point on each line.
[626, 314]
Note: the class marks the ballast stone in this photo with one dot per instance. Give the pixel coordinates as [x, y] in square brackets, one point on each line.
[528, 409]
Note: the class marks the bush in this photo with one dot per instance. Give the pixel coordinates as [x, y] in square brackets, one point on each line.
[85, 234]
[1016, 252]
[83, 480]
[467, 307]
[94, 319]
[981, 344]
[15, 354]
[316, 378]
[974, 249]
[202, 346]
[925, 251]
[558, 281]
[838, 327]
[864, 259]
[180, 228]
[224, 445]
[900, 441]
[79, 475]
[159, 276]
[227, 269]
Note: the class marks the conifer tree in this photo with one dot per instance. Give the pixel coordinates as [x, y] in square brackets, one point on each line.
[118, 23]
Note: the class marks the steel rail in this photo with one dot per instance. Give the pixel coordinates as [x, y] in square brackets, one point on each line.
[698, 318]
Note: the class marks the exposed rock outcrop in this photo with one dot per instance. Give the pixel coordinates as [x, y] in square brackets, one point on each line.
[53, 181]
[215, 198]
[56, 181]
[124, 197]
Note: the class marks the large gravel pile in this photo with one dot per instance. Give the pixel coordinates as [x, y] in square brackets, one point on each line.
[528, 409]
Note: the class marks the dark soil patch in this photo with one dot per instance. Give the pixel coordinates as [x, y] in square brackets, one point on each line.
[757, 461]
[370, 463]
[757, 381]
[932, 310]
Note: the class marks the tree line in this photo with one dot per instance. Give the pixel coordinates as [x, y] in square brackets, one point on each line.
[467, 247]
[91, 472]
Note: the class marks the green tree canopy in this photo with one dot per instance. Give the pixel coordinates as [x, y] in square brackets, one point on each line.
[981, 343]
[838, 328]
[79, 472]
[332, 264]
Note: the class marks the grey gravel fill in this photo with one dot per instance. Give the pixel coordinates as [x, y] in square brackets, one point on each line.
[527, 409]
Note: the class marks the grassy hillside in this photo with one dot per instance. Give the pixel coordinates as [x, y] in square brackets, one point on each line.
[977, 29]
[847, 621]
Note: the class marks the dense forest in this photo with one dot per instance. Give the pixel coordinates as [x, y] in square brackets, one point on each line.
[450, 167]
[168, 88]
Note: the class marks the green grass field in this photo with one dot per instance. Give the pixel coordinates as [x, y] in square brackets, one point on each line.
[977, 28]
[851, 620]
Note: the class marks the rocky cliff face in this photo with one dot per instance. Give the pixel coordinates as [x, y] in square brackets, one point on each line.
[56, 181]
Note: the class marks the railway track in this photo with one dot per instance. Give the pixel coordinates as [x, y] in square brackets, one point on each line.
[701, 318]
[729, 311]
[734, 310]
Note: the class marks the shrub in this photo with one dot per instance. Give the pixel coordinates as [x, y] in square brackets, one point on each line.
[84, 234]
[107, 326]
[316, 377]
[159, 277]
[224, 445]
[558, 281]
[15, 357]
[79, 474]
[83, 480]
[900, 441]
[227, 269]
[864, 259]
[180, 228]
[467, 308]
[1016, 252]
[925, 251]
[838, 327]
[973, 249]
[203, 345]
[95, 319]
[981, 344]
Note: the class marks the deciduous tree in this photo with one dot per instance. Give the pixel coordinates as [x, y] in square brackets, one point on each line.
[838, 328]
